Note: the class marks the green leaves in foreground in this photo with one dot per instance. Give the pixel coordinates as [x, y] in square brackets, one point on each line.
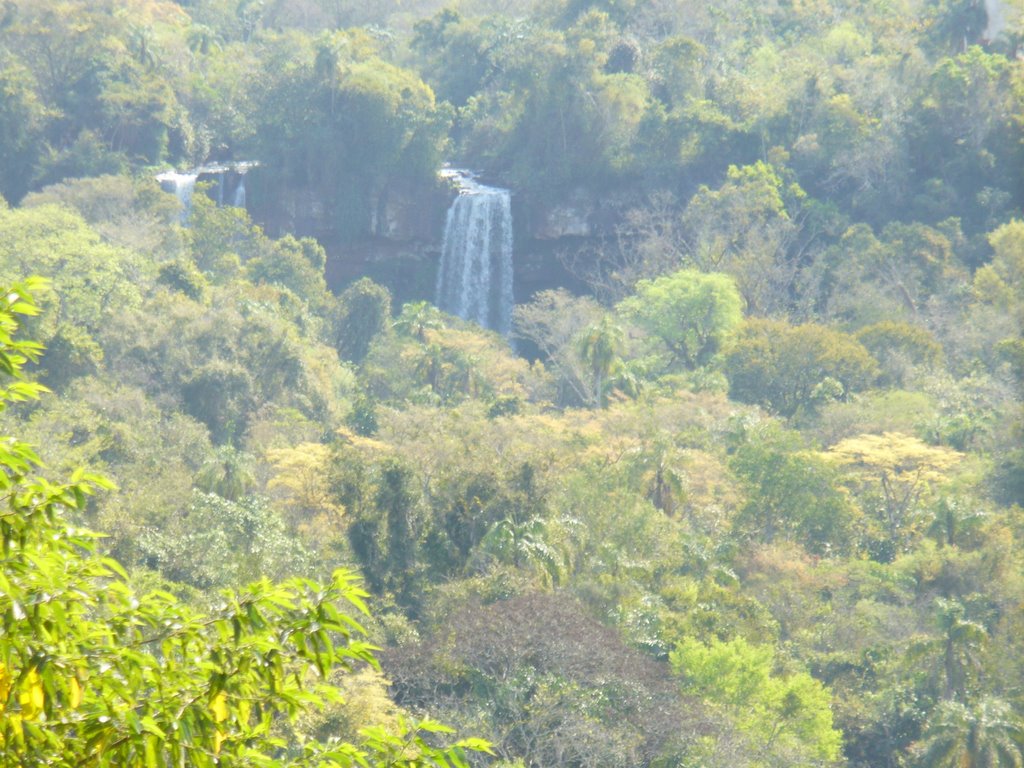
[93, 675]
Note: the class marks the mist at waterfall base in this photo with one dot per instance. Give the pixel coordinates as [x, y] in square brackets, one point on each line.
[474, 279]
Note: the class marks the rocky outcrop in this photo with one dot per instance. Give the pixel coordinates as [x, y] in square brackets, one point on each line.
[403, 212]
[401, 229]
[575, 217]
[580, 213]
[397, 211]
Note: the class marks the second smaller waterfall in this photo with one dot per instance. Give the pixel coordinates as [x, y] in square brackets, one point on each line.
[239, 199]
[226, 184]
[183, 185]
[474, 280]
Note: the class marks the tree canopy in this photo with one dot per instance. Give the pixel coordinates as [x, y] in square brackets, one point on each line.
[741, 489]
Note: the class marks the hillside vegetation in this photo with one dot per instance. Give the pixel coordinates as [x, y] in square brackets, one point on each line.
[749, 496]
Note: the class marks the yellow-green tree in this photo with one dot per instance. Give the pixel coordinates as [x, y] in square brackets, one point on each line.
[792, 368]
[692, 313]
[894, 475]
[787, 717]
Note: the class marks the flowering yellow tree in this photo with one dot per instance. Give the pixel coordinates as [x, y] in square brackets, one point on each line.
[897, 473]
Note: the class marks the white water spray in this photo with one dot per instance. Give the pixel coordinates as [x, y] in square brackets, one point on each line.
[239, 199]
[182, 185]
[474, 280]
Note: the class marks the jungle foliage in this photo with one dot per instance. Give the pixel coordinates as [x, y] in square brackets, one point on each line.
[751, 496]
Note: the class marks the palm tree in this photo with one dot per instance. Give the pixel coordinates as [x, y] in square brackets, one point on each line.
[987, 734]
[203, 39]
[417, 318]
[599, 348]
[327, 64]
[524, 544]
[250, 14]
[141, 45]
[229, 473]
[953, 521]
[962, 643]
[661, 477]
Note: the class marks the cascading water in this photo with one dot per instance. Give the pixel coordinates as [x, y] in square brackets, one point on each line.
[239, 199]
[474, 280]
[228, 188]
[182, 185]
[995, 10]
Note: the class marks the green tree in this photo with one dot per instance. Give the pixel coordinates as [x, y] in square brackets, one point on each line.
[395, 500]
[229, 473]
[693, 314]
[455, 53]
[962, 643]
[71, 353]
[131, 213]
[215, 543]
[296, 264]
[21, 130]
[792, 368]
[599, 347]
[524, 537]
[1001, 282]
[364, 311]
[967, 123]
[92, 674]
[221, 394]
[891, 277]
[523, 544]
[92, 281]
[788, 717]
[548, 110]
[183, 276]
[658, 465]
[900, 349]
[416, 318]
[791, 494]
[748, 228]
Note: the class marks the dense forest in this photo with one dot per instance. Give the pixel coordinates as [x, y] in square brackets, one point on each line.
[740, 486]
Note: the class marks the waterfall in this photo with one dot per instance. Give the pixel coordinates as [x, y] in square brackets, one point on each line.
[995, 10]
[474, 280]
[239, 199]
[182, 185]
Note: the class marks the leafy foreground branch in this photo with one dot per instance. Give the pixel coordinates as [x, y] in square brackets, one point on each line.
[93, 675]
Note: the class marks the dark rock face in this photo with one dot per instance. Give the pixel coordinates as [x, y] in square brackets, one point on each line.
[397, 211]
[406, 213]
[392, 235]
[539, 266]
[551, 234]
[580, 213]
[407, 269]
[576, 216]
[400, 232]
